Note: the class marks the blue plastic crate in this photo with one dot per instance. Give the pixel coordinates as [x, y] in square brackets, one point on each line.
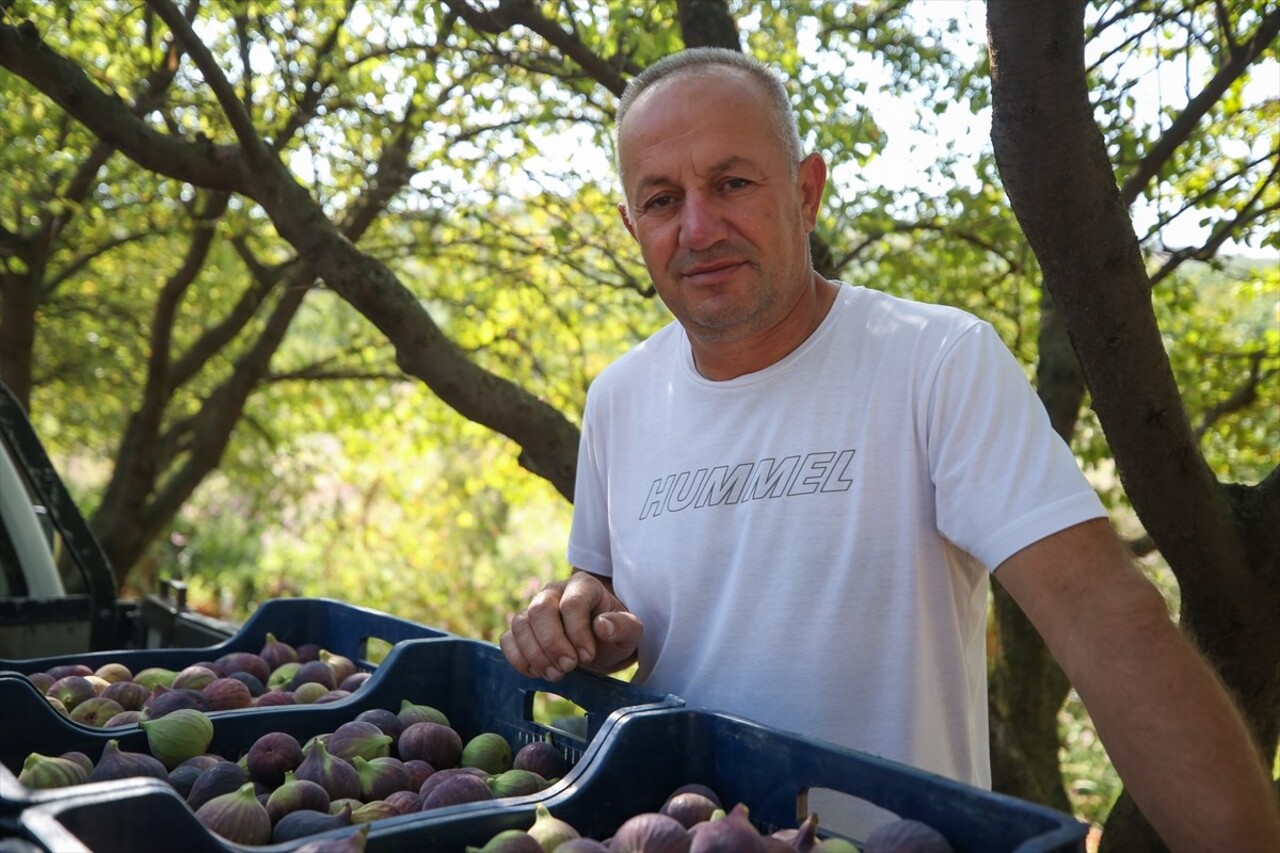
[340, 628]
[470, 681]
[639, 758]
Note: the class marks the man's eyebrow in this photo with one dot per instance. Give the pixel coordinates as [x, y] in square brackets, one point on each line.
[728, 164]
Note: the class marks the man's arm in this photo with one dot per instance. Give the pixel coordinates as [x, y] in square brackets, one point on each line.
[1174, 735]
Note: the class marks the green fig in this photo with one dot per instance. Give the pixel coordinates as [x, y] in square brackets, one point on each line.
[45, 771]
[155, 675]
[516, 783]
[380, 777]
[550, 831]
[177, 736]
[237, 816]
[351, 843]
[282, 676]
[294, 795]
[489, 751]
[509, 841]
[411, 713]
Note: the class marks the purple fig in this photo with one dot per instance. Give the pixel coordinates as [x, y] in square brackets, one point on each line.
[124, 718]
[227, 694]
[304, 822]
[277, 653]
[358, 737]
[906, 836]
[510, 841]
[371, 811]
[222, 778]
[130, 694]
[63, 670]
[95, 712]
[79, 758]
[732, 833]
[117, 764]
[334, 774]
[438, 745]
[294, 795]
[308, 652]
[71, 690]
[44, 772]
[698, 788]
[314, 671]
[342, 667]
[689, 808]
[404, 802]
[385, 720]
[182, 778]
[582, 845]
[42, 681]
[419, 772]
[165, 701]
[256, 685]
[274, 697]
[542, 758]
[245, 662]
[456, 790]
[411, 713]
[348, 803]
[440, 775]
[331, 696]
[271, 756]
[194, 677]
[380, 777]
[237, 816]
[651, 831]
[354, 681]
[353, 842]
[803, 838]
[203, 762]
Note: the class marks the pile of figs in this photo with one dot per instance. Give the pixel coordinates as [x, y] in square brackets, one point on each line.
[379, 764]
[693, 820]
[280, 674]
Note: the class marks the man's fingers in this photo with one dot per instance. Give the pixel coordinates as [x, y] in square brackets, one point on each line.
[618, 636]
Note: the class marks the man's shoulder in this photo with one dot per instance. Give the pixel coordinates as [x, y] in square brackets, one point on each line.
[897, 319]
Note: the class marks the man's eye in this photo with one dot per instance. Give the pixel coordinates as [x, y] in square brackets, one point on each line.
[736, 183]
[658, 202]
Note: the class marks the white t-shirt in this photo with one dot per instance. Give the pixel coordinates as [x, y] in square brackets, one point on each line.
[805, 545]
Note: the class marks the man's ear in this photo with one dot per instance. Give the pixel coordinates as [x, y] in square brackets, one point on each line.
[811, 179]
[626, 219]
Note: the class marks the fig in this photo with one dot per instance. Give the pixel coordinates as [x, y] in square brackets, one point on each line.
[489, 751]
[222, 778]
[117, 764]
[154, 676]
[651, 831]
[194, 677]
[218, 671]
[271, 756]
[353, 842]
[456, 790]
[164, 701]
[308, 652]
[282, 676]
[699, 788]
[99, 684]
[549, 831]
[906, 836]
[510, 841]
[183, 777]
[46, 771]
[42, 681]
[256, 685]
[732, 833]
[689, 808]
[304, 822]
[237, 816]
[802, 838]
[124, 718]
[295, 794]
[113, 672]
[334, 774]
[331, 696]
[385, 720]
[95, 712]
[56, 705]
[309, 693]
[276, 653]
[835, 844]
[354, 681]
[130, 694]
[516, 783]
[274, 697]
[65, 669]
[380, 777]
[419, 772]
[582, 845]
[314, 671]
[348, 803]
[438, 745]
[542, 758]
[371, 811]
[79, 758]
[438, 777]
[358, 737]
[341, 667]
[404, 802]
[178, 736]
[226, 694]
[203, 762]
[244, 662]
[411, 713]
[71, 690]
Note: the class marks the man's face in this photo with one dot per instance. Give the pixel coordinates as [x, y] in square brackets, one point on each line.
[721, 219]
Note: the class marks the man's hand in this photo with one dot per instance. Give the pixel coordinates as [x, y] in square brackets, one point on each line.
[569, 624]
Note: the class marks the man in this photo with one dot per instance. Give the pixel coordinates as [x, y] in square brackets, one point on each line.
[789, 500]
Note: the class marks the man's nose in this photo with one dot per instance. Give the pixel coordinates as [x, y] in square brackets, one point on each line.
[702, 222]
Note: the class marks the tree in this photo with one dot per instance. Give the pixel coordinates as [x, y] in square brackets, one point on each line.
[266, 157]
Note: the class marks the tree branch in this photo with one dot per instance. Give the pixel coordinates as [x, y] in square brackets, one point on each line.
[1245, 395]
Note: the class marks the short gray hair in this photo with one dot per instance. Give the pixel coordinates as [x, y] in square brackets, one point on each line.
[695, 58]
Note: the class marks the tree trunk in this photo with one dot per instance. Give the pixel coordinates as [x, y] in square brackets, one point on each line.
[19, 299]
[1220, 542]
